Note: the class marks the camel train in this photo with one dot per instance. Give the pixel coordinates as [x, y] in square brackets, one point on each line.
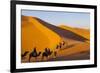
[60, 45]
[45, 54]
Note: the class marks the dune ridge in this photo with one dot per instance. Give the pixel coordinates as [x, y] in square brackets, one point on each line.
[62, 32]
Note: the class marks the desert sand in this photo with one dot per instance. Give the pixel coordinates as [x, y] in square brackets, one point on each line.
[36, 33]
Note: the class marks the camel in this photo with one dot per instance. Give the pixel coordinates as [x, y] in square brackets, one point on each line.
[46, 53]
[23, 55]
[59, 46]
[34, 53]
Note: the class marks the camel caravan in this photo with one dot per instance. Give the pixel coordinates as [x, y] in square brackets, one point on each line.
[45, 54]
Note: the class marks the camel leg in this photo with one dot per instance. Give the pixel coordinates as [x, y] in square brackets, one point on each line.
[29, 58]
[55, 53]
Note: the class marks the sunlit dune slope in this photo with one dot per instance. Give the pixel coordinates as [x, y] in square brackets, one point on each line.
[82, 32]
[34, 34]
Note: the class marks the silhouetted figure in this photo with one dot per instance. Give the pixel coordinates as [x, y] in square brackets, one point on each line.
[46, 53]
[57, 46]
[25, 53]
[34, 53]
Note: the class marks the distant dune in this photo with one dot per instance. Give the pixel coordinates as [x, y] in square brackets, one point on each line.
[80, 31]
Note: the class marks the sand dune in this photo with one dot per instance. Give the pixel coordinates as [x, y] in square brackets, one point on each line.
[34, 34]
[62, 32]
[40, 34]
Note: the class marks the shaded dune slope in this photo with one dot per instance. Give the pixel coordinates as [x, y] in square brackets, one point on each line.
[80, 31]
[62, 32]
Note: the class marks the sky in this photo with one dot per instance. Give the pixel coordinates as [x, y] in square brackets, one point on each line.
[73, 19]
